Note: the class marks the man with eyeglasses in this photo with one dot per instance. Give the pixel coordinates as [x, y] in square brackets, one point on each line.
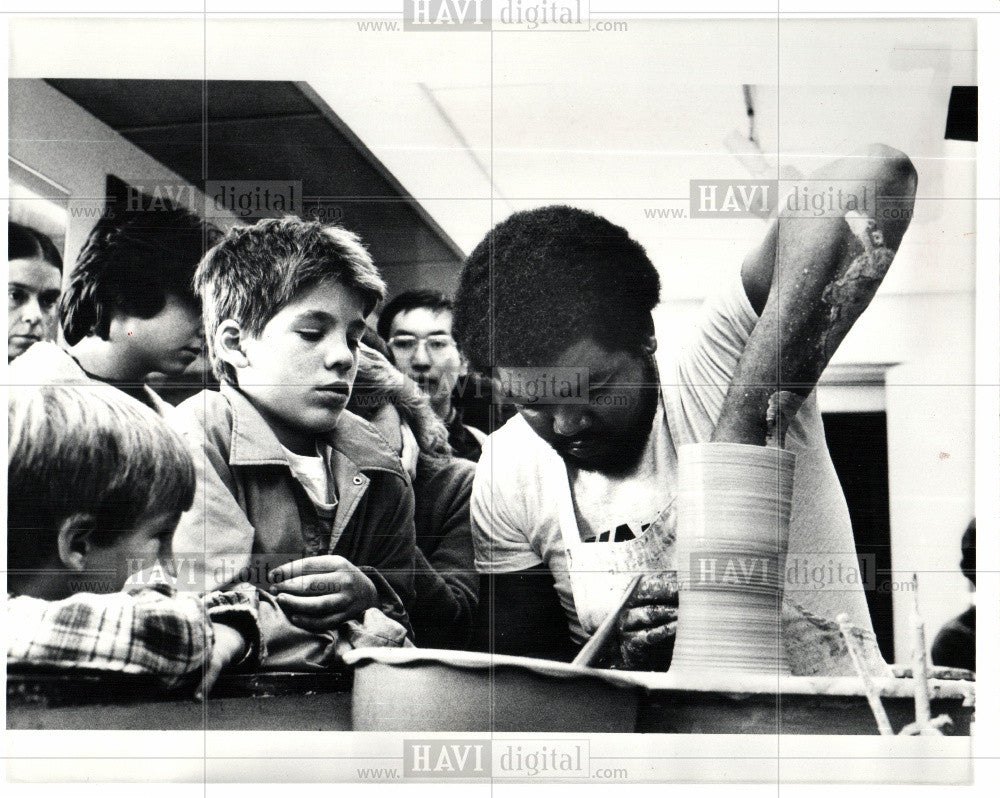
[416, 325]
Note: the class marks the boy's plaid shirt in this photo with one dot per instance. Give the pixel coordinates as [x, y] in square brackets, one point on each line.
[148, 629]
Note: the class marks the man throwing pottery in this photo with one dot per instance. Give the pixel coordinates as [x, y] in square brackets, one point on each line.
[576, 494]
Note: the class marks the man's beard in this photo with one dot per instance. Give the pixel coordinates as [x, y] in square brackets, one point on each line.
[618, 454]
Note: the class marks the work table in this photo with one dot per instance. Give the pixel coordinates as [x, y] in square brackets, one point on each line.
[713, 703]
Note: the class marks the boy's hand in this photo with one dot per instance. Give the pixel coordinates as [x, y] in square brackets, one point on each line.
[648, 625]
[230, 646]
[319, 593]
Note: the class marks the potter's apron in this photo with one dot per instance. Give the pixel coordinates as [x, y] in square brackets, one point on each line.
[601, 572]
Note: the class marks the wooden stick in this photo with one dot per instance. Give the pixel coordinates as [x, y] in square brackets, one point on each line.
[596, 643]
[921, 687]
[874, 701]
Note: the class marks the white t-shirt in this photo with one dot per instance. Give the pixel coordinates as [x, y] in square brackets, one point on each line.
[522, 487]
[616, 508]
[310, 471]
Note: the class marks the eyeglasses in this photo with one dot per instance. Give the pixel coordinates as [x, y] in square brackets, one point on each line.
[407, 344]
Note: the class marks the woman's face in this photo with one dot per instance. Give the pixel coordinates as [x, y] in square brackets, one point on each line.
[32, 296]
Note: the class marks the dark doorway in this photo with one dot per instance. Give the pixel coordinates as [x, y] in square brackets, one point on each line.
[859, 449]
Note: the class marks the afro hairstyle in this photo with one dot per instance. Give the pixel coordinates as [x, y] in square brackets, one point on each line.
[544, 279]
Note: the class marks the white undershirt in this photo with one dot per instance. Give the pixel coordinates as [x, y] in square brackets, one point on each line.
[310, 471]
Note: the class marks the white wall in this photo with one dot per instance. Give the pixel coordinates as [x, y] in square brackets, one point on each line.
[931, 429]
[56, 137]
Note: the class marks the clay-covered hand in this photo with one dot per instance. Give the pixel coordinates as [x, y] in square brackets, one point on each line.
[648, 625]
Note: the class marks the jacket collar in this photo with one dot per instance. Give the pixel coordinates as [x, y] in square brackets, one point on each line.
[46, 363]
[253, 442]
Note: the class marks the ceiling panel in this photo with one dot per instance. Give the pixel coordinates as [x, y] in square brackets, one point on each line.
[271, 130]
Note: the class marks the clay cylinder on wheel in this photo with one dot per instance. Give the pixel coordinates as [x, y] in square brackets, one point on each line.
[734, 504]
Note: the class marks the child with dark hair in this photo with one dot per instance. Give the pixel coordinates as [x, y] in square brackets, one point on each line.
[302, 497]
[34, 277]
[445, 582]
[96, 483]
[417, 327]
[129, 309]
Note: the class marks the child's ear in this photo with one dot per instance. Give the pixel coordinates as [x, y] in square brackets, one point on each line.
[75, 540]
[229, 344]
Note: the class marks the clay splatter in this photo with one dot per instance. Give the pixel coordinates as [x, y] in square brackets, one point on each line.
[849, 294]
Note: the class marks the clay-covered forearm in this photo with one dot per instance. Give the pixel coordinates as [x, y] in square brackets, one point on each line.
[829, 259]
